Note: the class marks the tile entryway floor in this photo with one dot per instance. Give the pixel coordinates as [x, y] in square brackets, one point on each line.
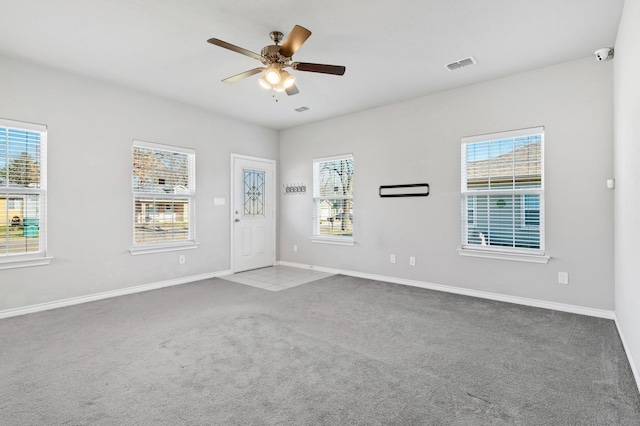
[276, 278]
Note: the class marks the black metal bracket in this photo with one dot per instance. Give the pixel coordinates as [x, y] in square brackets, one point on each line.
[396, 190]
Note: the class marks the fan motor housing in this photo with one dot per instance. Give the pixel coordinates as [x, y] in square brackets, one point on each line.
[272, 54]
[270, 50]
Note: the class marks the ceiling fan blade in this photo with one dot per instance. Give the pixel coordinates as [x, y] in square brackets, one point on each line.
[230, 46]
[294, 40]
[293, 90]
[242, 75]
[323, 68]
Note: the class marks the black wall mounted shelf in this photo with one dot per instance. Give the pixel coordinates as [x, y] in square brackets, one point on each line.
[408, 190]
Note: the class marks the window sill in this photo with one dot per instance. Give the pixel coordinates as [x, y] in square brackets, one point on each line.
[161, 248]
[25, 261]
[341, 241]
[516, 257]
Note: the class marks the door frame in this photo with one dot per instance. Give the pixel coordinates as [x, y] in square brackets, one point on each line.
[232, 199]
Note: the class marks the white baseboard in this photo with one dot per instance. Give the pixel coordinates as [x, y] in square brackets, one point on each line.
[108, 294]
[634, 368]
[599, 313]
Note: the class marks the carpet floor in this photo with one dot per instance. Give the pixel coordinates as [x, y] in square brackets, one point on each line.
[337, 351]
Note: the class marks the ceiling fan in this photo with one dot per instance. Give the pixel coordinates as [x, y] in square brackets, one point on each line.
[276, 58]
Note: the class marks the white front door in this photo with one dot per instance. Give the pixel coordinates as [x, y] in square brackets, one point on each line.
[253, 213]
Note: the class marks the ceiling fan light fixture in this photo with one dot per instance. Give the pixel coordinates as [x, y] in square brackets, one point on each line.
[264, 83]
[272, 75]
[275, 58]
[287, 79]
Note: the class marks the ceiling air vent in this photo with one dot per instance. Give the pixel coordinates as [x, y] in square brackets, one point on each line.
[461, 63]
[302, 109]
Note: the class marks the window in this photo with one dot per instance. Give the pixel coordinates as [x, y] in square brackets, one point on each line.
[23, 193]
[333, 199]
[503, 192]
[163, 197]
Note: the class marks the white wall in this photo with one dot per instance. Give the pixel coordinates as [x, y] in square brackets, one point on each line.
[627, 173]
[91, 125]
[419, 141]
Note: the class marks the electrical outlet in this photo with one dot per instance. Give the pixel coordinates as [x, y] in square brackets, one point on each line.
[392, 258]
[563, 278]
[295, 247]
[182, 259]
[412, 261]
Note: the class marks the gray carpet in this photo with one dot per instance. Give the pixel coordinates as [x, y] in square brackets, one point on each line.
[337, 351]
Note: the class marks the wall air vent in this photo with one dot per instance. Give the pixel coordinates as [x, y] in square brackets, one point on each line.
[302, 109]
[461, 63]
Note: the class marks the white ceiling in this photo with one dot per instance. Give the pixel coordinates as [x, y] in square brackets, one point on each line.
[393, 51]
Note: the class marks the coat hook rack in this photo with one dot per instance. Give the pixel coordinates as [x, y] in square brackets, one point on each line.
[294, 188]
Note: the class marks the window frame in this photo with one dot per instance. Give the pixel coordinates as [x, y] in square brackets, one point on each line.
[503, 252]
[189, 194]
[39, 257]
[318, 199]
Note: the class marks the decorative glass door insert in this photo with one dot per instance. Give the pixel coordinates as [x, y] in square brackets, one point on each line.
[253, 194]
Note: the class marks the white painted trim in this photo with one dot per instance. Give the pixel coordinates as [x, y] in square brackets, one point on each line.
[517, 257]
[632, 364]
[333, 158]
[504, 135]
[20, 262]
[252, 158]
[592, 312]
[23, 125]
[341, 241]
[108, 294]
[163, 147]
[161, 248]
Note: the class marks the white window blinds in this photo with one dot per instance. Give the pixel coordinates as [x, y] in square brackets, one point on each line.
[333, 196]
[163, 193]
[22, 188]
[503, 191]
